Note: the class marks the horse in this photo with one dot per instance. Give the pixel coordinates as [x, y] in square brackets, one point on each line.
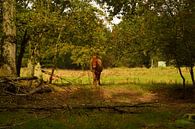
[96, 68]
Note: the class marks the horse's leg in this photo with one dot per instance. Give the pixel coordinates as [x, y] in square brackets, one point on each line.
[98, 78]
[95, 79]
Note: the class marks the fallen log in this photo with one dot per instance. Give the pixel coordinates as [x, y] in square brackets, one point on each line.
[82, 106]
[25, 78]
[12, 87]
[40, 89]
[11, 79]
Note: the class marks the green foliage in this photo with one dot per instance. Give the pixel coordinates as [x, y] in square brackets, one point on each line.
[68, 32]
[177, 44]
[133, 41]
[57, 27]
[154, 29]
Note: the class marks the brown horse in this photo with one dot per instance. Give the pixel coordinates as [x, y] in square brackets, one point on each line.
[96, 68]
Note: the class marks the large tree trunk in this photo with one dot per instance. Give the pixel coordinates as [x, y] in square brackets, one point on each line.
[8, 61]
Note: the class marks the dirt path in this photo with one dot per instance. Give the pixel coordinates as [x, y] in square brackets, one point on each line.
[100, 95]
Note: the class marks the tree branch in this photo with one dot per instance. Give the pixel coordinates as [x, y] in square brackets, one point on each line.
[83, 106]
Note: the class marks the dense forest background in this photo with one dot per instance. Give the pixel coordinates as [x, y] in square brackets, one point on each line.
[66, 33]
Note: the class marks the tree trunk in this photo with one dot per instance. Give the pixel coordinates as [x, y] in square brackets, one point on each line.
[183, 78]
[30, 69]
[38, 72]
[34, 66]
[22, 51]
[31, 63]
[192, 75]
[51, 76]
[8, 66]
[54, 60]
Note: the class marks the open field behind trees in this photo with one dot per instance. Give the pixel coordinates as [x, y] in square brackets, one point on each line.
[168, 75]
[129, 98]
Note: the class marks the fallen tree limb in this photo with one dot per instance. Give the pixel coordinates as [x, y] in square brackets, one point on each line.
[82, 106]
[13, 88]
[10, 93]
[8, 79]
[40, 89]
[25, 78]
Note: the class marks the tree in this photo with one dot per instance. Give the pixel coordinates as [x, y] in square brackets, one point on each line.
[8, 63]
[23, 30]
[82, 33]
[176, 39]
[133, 40]
[38, 24]
[50, 25]
[1, 28]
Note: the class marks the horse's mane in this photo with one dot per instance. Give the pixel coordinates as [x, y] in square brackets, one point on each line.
[96, 64]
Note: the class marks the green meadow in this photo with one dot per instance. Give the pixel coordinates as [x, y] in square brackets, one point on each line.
[168, 75]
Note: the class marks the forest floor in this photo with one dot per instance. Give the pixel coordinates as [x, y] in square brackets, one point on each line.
[159, 108]
[109, 106]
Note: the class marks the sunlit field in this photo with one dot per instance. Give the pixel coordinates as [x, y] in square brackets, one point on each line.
[168, 75]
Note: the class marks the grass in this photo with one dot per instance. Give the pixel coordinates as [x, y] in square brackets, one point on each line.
[119, 85]
[168, 75]
[84, 119]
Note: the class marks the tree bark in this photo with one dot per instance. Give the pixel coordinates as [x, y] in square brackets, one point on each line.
[83, 106]
[192, 75]
[22, 51]
[183, 78]
[6, 80]
[54, 60]
[31, 63]
[51, 75]
[8, 66]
